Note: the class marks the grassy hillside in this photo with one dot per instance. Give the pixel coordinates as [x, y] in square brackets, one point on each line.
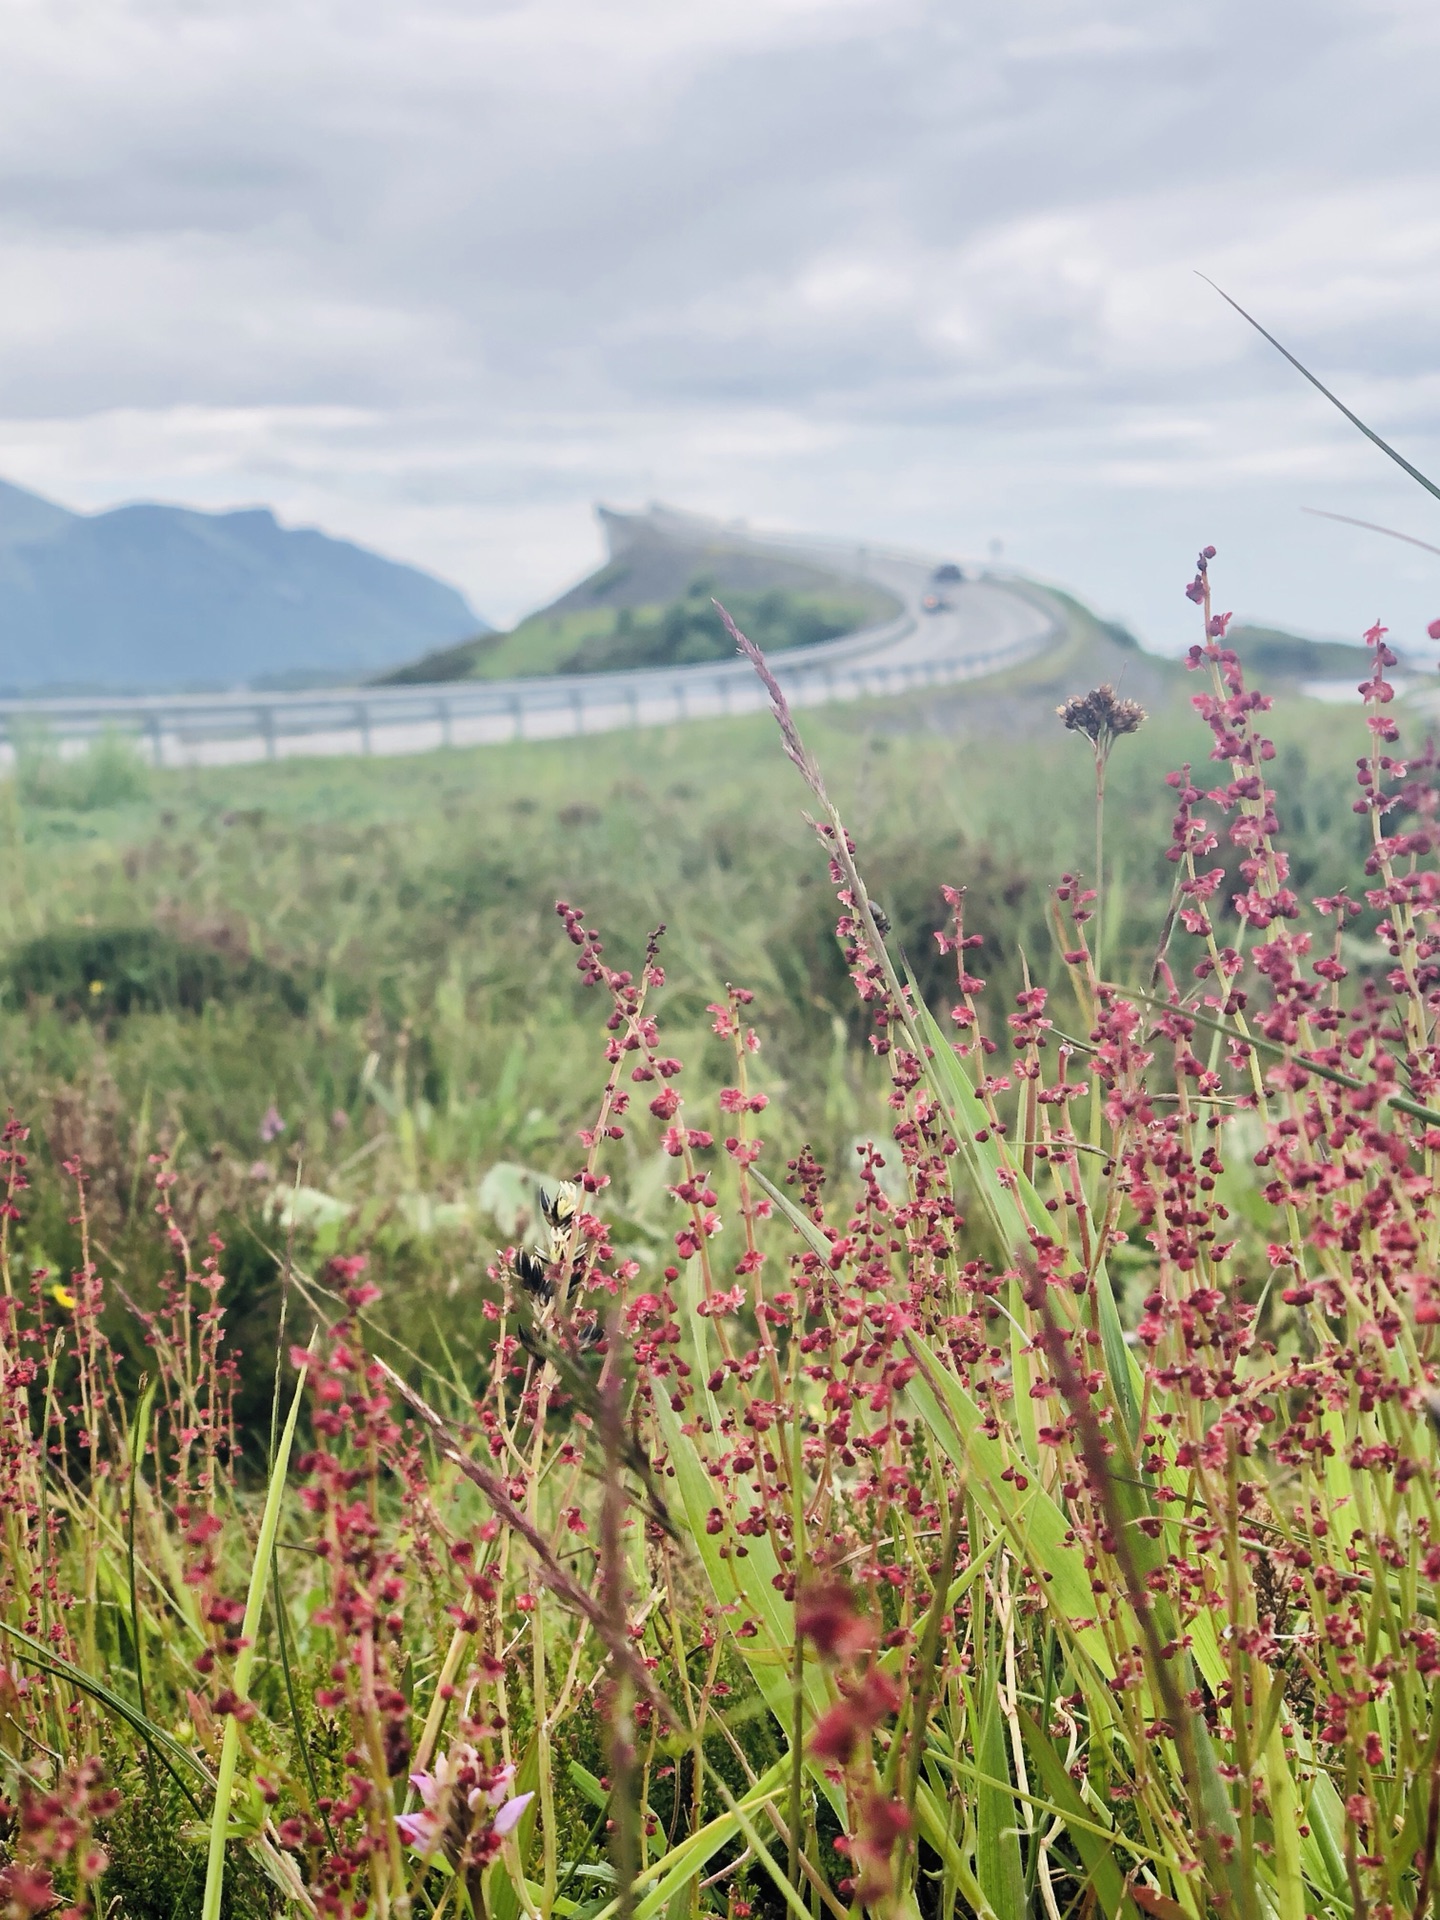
[1290, 656]
[654, 610]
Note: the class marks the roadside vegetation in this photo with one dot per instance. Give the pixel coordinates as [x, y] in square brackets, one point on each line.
[836, 1369]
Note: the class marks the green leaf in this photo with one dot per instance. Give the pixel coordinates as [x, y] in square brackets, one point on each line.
[504, 1900]
[997, 1843]
[1015, 1207]
[1325, 1815]
[801, 1222]
[589, 1786]
[1036, 1528]
[675, 1870]
[935, 1829]
[1285, 1824]
[747, 1584]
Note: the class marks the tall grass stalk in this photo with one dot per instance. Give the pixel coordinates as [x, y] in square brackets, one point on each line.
[245, 1662]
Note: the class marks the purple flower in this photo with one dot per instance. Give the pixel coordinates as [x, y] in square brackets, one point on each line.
[272, 1126]
[425, 1830]
[418, 1830]
[507, 1817]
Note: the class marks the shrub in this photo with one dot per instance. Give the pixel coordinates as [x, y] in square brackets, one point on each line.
[690, 631]
[104, 971]
[109, 773]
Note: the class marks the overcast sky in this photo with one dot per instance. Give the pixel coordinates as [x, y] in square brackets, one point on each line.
[439, 274]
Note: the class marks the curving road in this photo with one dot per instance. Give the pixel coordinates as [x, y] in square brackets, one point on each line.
[987, 624]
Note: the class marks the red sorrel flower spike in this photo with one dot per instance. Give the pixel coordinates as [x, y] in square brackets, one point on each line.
[830, 1615]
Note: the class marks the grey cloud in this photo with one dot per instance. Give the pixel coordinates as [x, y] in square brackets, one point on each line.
[432, 274]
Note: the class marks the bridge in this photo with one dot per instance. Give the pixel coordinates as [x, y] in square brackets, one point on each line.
[984, 625]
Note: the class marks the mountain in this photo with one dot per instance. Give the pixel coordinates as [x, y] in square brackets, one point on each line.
[153, 596]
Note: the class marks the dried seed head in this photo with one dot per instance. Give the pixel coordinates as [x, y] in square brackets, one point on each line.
[1101, 716]
[779, 705]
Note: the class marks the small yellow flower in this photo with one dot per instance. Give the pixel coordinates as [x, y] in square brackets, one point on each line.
[97, 987]
[63, 1297]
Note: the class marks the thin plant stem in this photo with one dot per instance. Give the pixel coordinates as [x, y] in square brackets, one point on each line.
[282, 1634]
[1099, 862]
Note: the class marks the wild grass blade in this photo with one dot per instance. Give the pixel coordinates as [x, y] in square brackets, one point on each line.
[1038, 1532]
[679, 1868]
[998, 1866]
[297, 1725]
[1371, 526]
[1354, 418]
[743, 1589]
[245, 1661]
[139, 1434]
[173, 1756]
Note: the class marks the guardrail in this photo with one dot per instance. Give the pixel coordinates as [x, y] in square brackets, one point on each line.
[218, 729]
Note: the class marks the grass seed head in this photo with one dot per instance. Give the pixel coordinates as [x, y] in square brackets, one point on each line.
[1102, 716]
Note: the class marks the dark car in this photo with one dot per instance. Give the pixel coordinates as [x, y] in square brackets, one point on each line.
[947, 575]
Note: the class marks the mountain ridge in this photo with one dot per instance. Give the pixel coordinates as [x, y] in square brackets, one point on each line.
[147, 596]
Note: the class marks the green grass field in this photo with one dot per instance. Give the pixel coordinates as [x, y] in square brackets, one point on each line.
[373, 949]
